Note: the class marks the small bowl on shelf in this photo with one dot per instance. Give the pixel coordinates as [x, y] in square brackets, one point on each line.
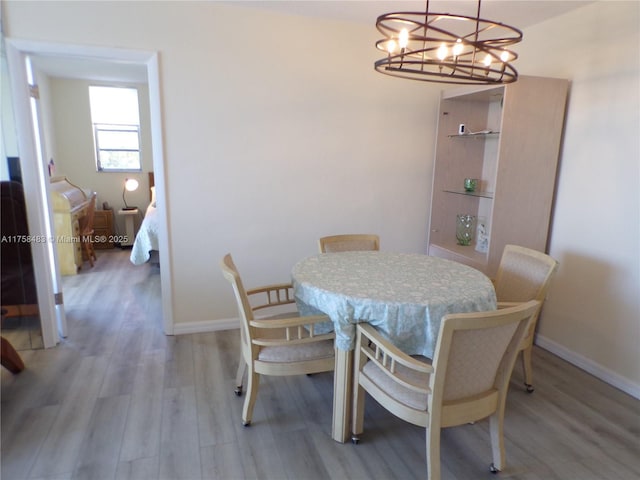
[470, 184]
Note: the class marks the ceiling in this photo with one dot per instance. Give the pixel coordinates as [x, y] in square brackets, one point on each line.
[518, 13]
[90, 69]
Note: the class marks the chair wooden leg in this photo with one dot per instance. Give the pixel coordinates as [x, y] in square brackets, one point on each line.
[242, 367]
[433, 452]
[253, 380]
[496, 424]
[357, 408]
[357, 417]
[89, 252]
[9, 357]
[526, 366]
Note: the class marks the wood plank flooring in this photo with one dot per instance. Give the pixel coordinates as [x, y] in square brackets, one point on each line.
[120, 400]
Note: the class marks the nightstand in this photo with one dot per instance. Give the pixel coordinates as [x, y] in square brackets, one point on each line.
[103, 228]
[129, 231]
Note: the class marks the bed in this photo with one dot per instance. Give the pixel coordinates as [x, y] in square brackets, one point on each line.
[145, 244]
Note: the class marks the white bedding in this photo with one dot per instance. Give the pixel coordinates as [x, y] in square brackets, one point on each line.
[147, 237]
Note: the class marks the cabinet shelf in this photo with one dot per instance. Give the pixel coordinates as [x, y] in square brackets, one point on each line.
[471, 194]
[476, 135]
[458, 253]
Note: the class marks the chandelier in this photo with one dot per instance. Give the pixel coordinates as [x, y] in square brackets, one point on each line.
[446, 48]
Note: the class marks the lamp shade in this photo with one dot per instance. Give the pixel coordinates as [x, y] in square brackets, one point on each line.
[130, 184]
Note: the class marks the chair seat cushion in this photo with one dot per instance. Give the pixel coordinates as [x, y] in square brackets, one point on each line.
[297, 353]
[404, 395]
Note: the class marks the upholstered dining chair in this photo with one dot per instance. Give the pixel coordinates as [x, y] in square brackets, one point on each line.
[86, 230]
[467, 380]
[282, 345]
[524, 274]
[350, 242]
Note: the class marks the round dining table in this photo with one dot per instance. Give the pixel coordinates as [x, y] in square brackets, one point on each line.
[404, 295]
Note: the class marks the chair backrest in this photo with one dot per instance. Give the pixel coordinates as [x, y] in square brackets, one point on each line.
[475, 354]
[523, 274]
[347, 243]
[86, 222]
[230, 272]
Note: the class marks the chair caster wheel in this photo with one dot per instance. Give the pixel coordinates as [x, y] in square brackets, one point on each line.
[530, 388]
[493, 469]
[355, 440]
[238, 391]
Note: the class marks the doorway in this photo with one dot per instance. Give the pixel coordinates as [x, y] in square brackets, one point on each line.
[90, 60]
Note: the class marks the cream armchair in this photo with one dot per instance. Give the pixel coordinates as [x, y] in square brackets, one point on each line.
[524, 274]
[274, 346]
[467, 380]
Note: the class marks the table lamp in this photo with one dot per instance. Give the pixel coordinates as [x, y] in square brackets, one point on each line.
[130, 184]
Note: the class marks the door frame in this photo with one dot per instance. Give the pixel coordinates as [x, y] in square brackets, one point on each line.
[35, 177]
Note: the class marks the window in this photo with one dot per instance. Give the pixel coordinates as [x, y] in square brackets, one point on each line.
[116, 128]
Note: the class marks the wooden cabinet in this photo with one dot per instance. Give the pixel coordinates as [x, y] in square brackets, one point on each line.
[511, 145]
[103, 229]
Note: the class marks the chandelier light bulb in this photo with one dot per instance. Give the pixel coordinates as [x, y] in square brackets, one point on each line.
[403, 39]
[457, 48]
[487, 60]
[504, 56]
[442, 52]
[391, 46]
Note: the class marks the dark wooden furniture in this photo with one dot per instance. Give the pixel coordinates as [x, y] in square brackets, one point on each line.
[103, 228]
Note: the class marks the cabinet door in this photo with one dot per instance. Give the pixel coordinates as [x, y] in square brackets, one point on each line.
[103, 229]
[533, 119]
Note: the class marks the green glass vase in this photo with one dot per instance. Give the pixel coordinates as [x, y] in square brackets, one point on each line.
[465, 226]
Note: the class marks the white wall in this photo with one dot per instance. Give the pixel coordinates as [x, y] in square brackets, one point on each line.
[592, 315]
[278, 131]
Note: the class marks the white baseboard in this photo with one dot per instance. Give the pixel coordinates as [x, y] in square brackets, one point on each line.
[203, 326]
[595, 369]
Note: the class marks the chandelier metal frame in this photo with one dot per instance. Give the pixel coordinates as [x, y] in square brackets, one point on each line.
[446, 48]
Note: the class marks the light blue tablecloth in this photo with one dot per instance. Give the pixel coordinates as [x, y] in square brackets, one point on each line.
[403, 295]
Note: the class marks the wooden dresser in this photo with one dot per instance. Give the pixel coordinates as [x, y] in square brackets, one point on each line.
[69, 203]
[103, 229]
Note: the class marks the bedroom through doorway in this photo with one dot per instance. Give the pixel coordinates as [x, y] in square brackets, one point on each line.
[114, 278]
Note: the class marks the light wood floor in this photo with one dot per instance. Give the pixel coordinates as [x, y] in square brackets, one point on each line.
[118, 399]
